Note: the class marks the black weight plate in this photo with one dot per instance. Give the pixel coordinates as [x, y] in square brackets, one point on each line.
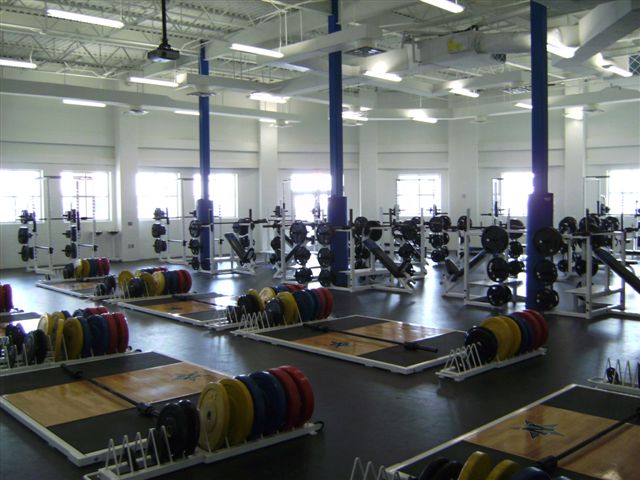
[372, 231]
[405, 251]
[516, 267]
[359, 225]
[548, 241]
[194, 228]
[449, 471]
[274, 312]
[515, 225]
[438, 255]
[193, 425]
[446, 222]
[435, 224]
[325, 257]
[498, 269]
[409, 231]
[486, 343]
[176, 425]
[515, 249]
[246, 304]
[436, 241]
[546, 299]
[41, 346]
[546, 271]
[276, 242]
[462, 223]
[23, 235]
[16, 335]
[324, 234]
[494, 239]
[445, 238]
[499, 295]
[194, 246]
[430, 470]
[298, 232]
[274, 257]
[568, 225]
[30, 347]
[302, 255]
[326, 278]
[303, 275]
[563, 265]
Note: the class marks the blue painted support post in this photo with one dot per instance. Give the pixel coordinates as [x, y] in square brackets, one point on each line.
[540, 207]
[337, 214]
[204, 205]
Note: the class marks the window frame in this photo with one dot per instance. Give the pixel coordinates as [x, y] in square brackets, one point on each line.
[41, 201]
[507, 201]
[421, 178]
[316, 193]
[88, 174]
[616, 171]
[178, 200]
[197, 191]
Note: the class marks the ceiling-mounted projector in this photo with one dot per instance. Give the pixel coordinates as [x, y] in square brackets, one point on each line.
[164, 53]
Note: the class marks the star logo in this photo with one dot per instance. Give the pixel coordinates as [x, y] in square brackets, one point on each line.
[537, 430]
[337, 344]
[193, 376]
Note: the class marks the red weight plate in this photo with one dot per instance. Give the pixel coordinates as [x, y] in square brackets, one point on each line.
[535, 327]
[107, 266]
[180, 278]
[329, 297]
[8, 297]
[91, 311]
[113, 332]
[306, 393]
[3, 301]
[123, 331]
[189, 281]
[543, 324]
[321, 302]
[294, 401]
[101, 310]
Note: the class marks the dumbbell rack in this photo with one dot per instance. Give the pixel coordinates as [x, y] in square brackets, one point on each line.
[465, 362]
[137, 459]
[624, 379]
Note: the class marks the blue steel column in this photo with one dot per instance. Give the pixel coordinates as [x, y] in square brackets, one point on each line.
[337, 214]
[204, 205]
[540, 207]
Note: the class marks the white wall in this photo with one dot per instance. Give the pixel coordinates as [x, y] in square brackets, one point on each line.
[44, 134]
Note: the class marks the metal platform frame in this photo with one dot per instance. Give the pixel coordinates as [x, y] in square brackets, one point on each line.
[254, 326]
[53, 286]
[628, 378]
[132, 304]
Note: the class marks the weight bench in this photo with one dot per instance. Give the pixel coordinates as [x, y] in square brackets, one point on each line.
[456, 273]
[245, 256]
[398, 271]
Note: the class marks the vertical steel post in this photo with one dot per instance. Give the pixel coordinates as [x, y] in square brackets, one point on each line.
[540, 205]
[204, 206]
[337, 211]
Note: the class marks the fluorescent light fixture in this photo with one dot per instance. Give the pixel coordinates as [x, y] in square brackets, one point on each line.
[83, 103]
[464, 92]
[365, 109]
[268, 120]
[617, 70]
[195, 113]
[390, 77]
[447, 5]
[256, 50]
[153, 81]
[424, 118]
[79, 17]
[576, 113]
[267, 97]
[527, 106]
[560, 50]
[350, 115]
[8, 62]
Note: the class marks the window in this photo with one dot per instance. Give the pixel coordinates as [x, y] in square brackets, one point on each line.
[223, 192]
[416, 193]
[80, 189]
[19, 190]
[624, 191]
[157, 190]
[310, 191]
[515, 189]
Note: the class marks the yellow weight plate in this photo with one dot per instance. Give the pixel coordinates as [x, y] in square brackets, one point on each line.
[160, 283]
[124, 278]
[267, 293]
[46, 323]
[516, 335]
[57, 335]
[502, 333]
[149, 283]
[77, 268]
[290, 306]
[256, 295]
[86, 268]
[213, 407]
[477, 467]
[504, 470]
[73, 337]
[240, 410]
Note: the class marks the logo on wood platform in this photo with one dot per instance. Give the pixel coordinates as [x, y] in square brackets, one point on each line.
[193, 376]
[337, 344]
[536, 430]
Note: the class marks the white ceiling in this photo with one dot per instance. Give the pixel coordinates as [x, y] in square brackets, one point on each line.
[408, 30]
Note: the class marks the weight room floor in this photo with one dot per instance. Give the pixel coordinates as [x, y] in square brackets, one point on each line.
[370, 413]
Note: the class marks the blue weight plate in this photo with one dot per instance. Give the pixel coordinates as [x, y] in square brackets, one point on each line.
[65, 313]
[280, 288]
[524, 326]
[99, 334]
[303, 305]
[276, 400]
[86, 341]
[315, 302]
[172, 281]
[531, 473]
[319, 299]
[310, 304]
[259, 406]
[93, 267]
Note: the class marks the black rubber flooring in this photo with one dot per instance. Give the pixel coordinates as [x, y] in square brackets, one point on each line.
[369, 413]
